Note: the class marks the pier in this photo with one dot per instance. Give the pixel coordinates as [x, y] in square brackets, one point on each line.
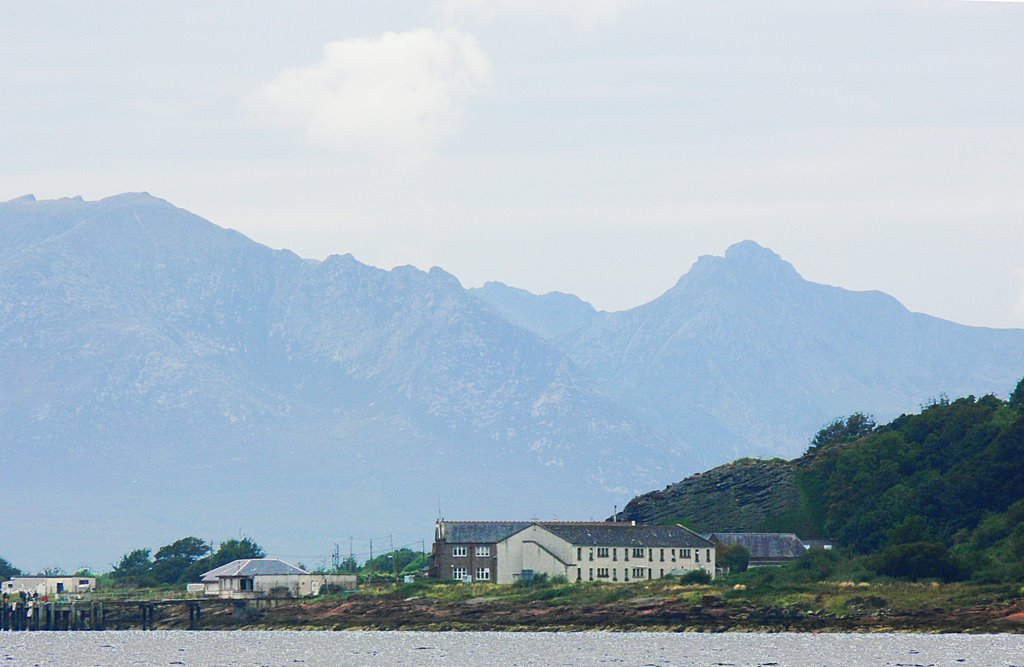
[83, 615]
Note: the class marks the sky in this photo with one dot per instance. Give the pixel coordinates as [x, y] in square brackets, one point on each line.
[596, 147]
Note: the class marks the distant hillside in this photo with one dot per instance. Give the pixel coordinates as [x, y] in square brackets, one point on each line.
[181, 370]
[949, 479]
[551, 316]
[749, 495]
[743, 357]
[174, 366]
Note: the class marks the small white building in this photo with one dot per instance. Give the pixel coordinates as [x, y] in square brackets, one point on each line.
[268, 577]
[50, 587]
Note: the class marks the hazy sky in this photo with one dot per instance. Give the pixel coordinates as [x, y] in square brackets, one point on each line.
[591, 146]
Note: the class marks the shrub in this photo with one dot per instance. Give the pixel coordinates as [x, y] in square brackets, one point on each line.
[695, 577]
[917, 560]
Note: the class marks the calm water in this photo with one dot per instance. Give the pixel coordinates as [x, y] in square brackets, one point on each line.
[305, 649]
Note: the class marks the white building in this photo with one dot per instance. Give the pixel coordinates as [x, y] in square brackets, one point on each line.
[612, 552]
[50, 587]
[268, 577]
[507, 551]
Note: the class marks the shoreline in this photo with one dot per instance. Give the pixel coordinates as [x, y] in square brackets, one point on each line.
[660, 614]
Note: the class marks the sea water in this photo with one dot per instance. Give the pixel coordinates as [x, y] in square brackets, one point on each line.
[312, 649]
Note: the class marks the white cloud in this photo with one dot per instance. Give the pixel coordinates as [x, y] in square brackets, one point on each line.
[395, 96]
[583, 13]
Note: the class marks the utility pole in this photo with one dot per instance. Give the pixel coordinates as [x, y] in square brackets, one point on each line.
[394, 556]
[371, 548]
[351, 554]
[336, 558]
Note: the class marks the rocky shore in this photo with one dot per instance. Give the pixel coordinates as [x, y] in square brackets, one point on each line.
[664, 614]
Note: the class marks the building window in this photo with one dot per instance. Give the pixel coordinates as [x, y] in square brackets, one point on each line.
[458, 551]
[696, 553]
[483, 551]
[625, 554]
[602, 573]
[662, 555]
[458, 573]
[662, 575]
[615, 554]
[673, 555]
[615, 574]
[638, 552]
[708, 559]
[579, 574]
[579, 553]
[602, 552]
[650, 555]
[483, 574]
[590, 574]
[685, 553]
[591, 554]
[625, 574]
[638, 573]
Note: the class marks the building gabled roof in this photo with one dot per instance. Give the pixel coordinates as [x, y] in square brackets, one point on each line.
[764, 546]
[626, 535]
[480, 532]
[251, 567]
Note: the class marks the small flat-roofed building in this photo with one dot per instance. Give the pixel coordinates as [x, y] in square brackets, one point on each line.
[268, 577]
[765, 548]
[50, 587]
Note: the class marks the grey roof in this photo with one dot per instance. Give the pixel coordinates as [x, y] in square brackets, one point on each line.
[626, 535]
[480, 532]
[771, 546]
[251, 567]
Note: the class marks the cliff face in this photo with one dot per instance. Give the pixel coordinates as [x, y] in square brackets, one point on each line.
[747, 495]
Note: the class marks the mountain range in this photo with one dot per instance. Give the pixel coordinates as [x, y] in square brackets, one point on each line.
[163, 376]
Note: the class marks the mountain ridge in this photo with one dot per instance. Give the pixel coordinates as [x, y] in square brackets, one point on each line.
[202, 368]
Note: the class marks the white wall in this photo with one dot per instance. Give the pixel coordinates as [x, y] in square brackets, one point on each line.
[534, 549]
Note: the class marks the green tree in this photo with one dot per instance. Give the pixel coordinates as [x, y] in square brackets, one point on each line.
[855, 426]
[734, 557]
[385, 563]
[348, 566]
[227, 551]
[171, 561]
[134, 569]
[7, 570]
[917, 560]
[1017, 397]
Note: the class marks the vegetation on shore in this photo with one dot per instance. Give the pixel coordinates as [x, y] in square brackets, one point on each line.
[791, 597]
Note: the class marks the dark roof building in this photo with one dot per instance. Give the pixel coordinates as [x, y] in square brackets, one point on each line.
[505, 551]
[764, 548]
[623, 534]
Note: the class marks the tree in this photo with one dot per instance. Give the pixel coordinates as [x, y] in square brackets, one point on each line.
[348, 566]
[227, 551]
[855, 426]
[134, 569]
[171, 561]
[385, 563]
[1017, 397]
[733, 557]
[917, 560]
[52, 571]
[230, 550]
[7, 570]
